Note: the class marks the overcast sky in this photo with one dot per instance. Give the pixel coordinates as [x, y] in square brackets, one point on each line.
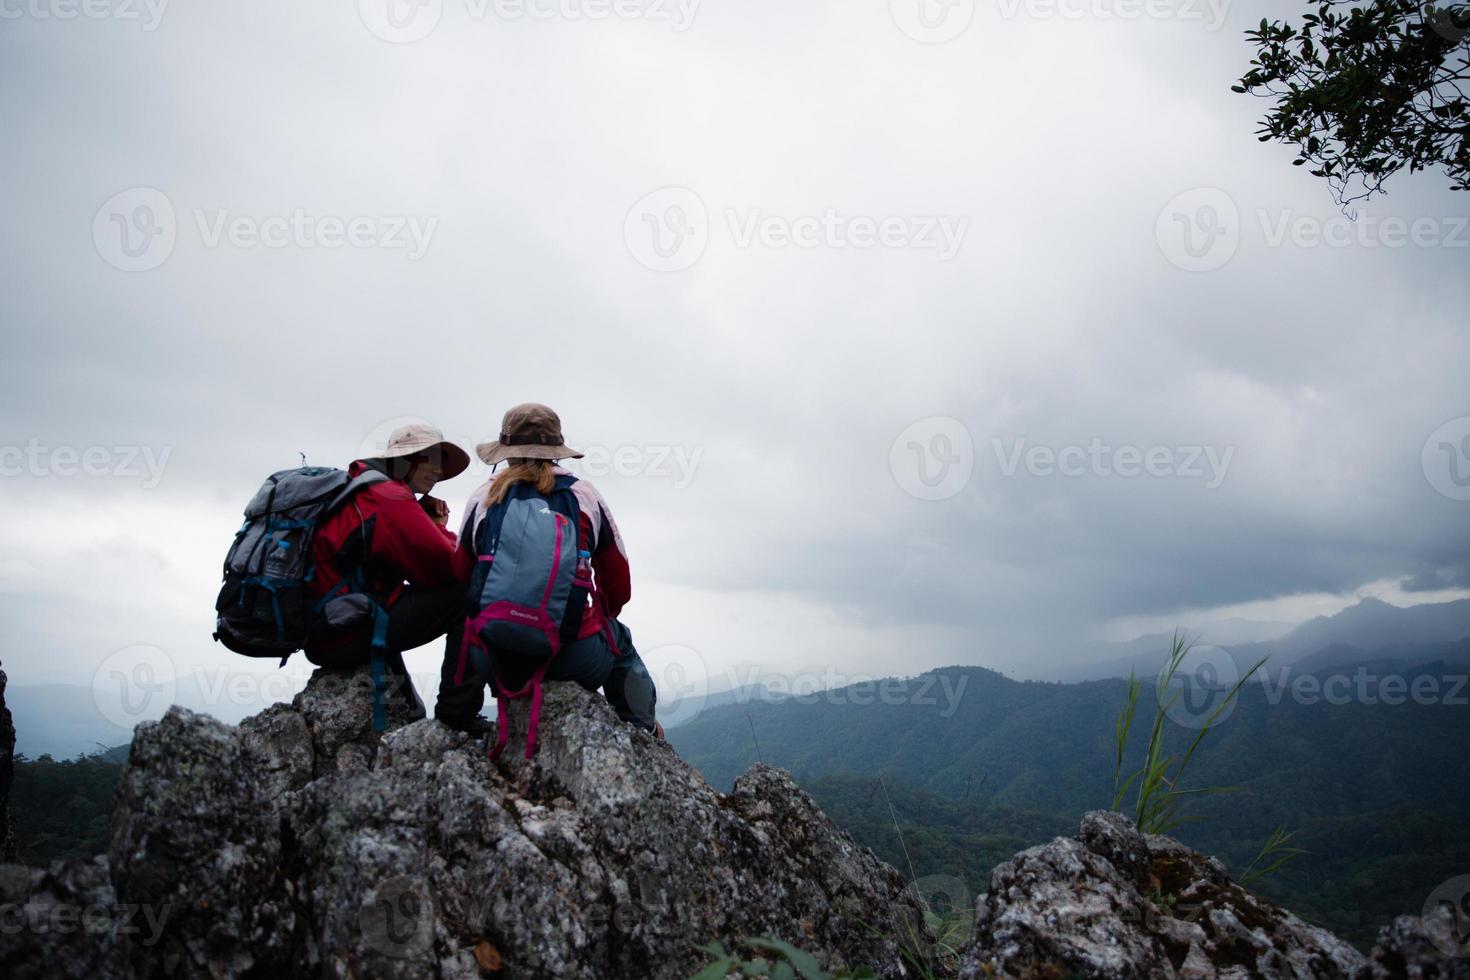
[897, 340]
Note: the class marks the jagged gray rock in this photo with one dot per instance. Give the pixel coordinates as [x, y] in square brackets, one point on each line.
[1430, 948]
[65, 923]
[1116, 903]
[302, 843]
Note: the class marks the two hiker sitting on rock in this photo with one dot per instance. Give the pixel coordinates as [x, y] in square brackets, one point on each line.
[529, 590]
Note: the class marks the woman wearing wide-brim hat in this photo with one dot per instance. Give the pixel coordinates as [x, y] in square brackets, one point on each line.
[602, 655]
[388, 548]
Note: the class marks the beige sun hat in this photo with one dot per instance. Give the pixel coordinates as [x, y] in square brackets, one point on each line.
[409, 440]
[529, 431]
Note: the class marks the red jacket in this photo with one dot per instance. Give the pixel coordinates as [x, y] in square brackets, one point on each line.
[597, 533]
[404, 546]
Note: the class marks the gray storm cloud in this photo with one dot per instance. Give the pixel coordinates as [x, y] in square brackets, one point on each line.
[774, 371]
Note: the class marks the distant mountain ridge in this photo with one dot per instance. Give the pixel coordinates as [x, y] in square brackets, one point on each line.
[1373, 626]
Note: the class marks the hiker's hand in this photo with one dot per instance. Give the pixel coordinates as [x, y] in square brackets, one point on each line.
[658, 731]
[437, 509]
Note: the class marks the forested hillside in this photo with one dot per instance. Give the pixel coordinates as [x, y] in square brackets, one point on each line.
[1375, 791]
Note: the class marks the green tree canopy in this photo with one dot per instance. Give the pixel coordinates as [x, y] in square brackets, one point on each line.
[1367, 91]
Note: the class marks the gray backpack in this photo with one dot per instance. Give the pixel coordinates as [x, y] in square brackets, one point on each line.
[263, 609]
[528, 592]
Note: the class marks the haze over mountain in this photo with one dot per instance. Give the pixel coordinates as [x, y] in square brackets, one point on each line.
[1388, 631]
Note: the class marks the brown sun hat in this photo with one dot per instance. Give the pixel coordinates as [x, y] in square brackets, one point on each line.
[529, 431]
[410, 440]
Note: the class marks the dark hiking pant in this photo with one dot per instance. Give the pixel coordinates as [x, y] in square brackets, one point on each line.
[590, 662]
[419, 616]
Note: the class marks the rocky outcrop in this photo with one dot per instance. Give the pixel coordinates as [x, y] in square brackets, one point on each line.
[1116, 903]
[302, 843]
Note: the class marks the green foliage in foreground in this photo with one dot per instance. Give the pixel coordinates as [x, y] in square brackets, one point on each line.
[775, 960]
[1161, 796]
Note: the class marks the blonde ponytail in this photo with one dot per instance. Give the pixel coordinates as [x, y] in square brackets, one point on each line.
[537, 471]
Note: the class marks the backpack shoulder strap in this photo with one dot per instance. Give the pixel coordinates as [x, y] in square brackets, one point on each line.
[563, 499]
[361, 481]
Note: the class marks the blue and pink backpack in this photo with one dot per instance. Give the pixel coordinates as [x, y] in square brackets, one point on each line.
[528, 593]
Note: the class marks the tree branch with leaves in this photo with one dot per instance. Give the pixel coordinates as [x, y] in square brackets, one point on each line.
[1366, 91]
